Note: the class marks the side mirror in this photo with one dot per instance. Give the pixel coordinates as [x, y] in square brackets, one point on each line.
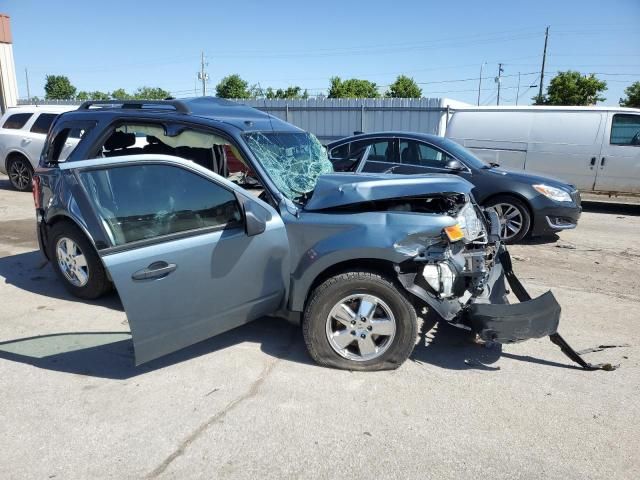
[255, 218]
[454, 165]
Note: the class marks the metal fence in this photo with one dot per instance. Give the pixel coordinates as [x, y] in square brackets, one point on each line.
[333, 118]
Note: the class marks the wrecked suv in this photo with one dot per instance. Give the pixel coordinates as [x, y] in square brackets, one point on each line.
[205, 214]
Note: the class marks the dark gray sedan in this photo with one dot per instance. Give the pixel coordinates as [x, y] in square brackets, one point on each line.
[526, 204]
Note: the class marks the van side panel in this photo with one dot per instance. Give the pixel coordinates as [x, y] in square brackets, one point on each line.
[565, 144]
[497, 137]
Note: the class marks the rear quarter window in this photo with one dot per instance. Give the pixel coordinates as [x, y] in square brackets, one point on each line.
[16, 121]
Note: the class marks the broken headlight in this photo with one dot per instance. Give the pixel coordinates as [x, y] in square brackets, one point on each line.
[470, 223]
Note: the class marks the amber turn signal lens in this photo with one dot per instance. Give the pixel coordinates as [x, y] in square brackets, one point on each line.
[454, 233]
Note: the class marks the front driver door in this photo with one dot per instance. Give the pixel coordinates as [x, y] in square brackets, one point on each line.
[181, 258]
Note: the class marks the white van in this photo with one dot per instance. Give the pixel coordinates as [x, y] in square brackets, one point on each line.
[597, 149]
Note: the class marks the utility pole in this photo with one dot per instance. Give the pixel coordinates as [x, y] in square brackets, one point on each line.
[544, 58]
[26, 74]
[518, 90]
[499, 81]
[480, 81]
[202, 75]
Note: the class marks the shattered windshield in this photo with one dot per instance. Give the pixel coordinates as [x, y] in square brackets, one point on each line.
[293, 160]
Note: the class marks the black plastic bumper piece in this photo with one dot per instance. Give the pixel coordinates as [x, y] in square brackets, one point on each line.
[505, 323]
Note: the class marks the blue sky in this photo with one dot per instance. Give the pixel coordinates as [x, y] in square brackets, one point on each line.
[441, 44]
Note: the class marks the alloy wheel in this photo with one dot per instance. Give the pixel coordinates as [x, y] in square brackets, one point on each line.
[72, 262]
[511, 220]
[360, 327]
[19, 174]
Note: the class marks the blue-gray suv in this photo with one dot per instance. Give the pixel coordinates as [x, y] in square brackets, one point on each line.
[205, 214]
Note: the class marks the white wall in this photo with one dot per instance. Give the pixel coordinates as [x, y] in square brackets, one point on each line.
[8, 83]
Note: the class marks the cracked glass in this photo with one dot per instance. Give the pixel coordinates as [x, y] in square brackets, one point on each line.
[293, 160]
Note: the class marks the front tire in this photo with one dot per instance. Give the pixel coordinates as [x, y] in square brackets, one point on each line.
[76, 262]
[515, 219]
[359, 320]
[20, 173]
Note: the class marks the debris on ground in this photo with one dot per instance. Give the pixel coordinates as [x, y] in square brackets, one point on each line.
[568, 246]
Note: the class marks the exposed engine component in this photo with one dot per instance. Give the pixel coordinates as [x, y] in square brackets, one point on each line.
[440, 277]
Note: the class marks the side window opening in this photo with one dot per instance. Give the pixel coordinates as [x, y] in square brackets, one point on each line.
[208, 150]
[65, 141]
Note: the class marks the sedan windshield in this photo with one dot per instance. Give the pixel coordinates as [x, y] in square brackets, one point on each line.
[293, 160]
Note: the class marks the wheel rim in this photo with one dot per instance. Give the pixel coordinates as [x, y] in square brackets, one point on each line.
[72, 262]
[361, 327]
[19, 174]
[511, 220]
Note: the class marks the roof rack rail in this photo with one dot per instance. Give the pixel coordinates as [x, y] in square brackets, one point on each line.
[178, 105]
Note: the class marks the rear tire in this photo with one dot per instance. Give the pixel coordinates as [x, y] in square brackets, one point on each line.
[377, 325]
[20, 172]
[515, 219]
[76, 262]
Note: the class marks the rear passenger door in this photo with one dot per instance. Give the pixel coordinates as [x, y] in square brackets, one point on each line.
[618, 166]
[185, 261]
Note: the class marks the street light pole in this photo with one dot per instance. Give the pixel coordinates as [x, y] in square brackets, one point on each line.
[480, 81]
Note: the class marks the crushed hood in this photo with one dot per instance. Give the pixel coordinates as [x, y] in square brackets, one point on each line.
[338, 189]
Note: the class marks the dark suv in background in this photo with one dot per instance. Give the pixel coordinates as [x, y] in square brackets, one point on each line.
[206, 214]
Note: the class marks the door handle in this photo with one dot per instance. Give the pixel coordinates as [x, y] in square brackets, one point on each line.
[592, 163]
[155, 270]
[602, 162]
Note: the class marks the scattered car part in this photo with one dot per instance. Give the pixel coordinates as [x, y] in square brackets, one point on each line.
[523, 296]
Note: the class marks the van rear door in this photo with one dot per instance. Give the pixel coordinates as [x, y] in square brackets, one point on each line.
[566, 145]
[618, 167]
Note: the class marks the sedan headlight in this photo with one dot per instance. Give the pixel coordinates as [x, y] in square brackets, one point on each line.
[553, 193]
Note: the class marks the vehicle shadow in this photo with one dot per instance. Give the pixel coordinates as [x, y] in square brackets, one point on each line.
[445, 346]
[553, 238]
[594, 206]
[5, 184]
[111, 355]
[31, 272]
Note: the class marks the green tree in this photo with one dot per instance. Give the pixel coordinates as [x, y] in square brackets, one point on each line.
[58, 87]
[404, 87]
[233, 86]
[289, 92]
[256, 91]
[97, 95]
[120, 94]
[573, 88]
[632, 98]
[150, 93]
[352, 88]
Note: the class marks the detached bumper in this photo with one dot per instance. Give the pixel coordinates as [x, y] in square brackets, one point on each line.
[509, 323]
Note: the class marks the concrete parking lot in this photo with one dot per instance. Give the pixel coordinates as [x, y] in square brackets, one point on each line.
[251, 404]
